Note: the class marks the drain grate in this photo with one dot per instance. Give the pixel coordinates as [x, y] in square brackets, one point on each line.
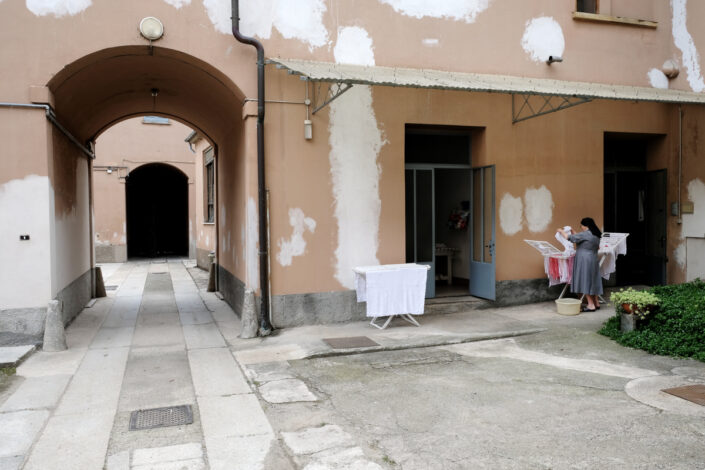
[161, 417]
[694, 393]
[350, 342]
[111, 287]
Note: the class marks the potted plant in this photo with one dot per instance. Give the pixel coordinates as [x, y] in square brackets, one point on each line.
[633, 305]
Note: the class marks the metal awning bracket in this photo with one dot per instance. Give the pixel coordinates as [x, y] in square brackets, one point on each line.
[530, 105]
[325, 92]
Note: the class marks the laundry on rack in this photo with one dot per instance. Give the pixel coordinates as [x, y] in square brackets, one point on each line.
[568, 245]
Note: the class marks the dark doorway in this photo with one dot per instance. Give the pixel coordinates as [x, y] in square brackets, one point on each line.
[157, 211]
[438, 193]
[635, 203]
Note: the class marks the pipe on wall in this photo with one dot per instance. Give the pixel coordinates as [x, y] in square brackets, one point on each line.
[265, 324]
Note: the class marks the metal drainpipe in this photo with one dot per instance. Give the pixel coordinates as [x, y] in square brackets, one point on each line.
[265, 325]
[52, 118]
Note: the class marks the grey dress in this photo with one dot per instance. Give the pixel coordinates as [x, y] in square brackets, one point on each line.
[586, 268]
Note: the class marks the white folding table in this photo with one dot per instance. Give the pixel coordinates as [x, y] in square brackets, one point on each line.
[392, 290]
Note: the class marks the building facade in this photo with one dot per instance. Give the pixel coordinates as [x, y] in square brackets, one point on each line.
[394, 132]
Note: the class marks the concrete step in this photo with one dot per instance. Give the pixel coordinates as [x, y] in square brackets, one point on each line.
[443, 305]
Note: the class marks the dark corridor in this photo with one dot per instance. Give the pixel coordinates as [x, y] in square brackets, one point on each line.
[635, 202]
[157, 211]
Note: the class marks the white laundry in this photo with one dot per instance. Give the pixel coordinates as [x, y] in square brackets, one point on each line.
[392, 289]
[569, 247]
[611, 245]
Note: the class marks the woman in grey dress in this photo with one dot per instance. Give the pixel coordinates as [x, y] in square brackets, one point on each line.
[586, 267]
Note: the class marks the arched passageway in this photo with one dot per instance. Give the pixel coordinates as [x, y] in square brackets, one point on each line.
[157, 211]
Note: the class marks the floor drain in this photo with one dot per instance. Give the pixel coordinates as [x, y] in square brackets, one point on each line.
[111, 287]
[161, 417]
[350, 342]
[692, 393]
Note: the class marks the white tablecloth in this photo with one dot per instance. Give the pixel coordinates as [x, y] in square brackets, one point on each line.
[392, 289]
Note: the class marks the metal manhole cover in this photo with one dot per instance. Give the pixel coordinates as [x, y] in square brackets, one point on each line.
[161, 417]
[111, 287]
[693, 393]
[350, 342]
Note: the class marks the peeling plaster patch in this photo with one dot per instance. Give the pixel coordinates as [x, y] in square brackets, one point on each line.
[354, 46]
[458, 10]
[252, 245]
[28, 283]
[658, 79]
[301, 20]
[58, 8]
[539, 208]
[684, 42]
[543, 37]
[680, 255]
[296, 245]
[694, 224]
[178, 3]
[511, 211]
[430, 42]
[355, 142]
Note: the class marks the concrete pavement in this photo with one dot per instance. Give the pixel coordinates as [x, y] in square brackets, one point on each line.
[293, 401]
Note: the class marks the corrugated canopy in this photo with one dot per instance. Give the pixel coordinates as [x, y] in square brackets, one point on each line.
[426, 78]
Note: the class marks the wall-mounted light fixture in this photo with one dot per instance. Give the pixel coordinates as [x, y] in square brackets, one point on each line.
[554, 58]
[151, 28]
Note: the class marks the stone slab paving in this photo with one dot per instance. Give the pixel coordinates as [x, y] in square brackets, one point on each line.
[36, 393]
[12, 356]
[286, 391]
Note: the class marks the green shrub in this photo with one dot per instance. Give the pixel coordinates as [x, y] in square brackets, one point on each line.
[676, 329]
[642, 302]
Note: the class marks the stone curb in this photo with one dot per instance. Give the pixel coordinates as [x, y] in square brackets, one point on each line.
[426, 343]
[13, 356]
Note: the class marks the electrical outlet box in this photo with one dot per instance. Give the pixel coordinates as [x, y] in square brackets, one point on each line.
[687, 208]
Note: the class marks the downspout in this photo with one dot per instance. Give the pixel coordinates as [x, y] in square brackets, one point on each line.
[680, 161]
[265, 325]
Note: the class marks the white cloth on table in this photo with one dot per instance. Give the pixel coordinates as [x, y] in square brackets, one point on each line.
[392, 289]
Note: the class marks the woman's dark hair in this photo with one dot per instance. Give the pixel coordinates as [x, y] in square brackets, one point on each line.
[590, 224]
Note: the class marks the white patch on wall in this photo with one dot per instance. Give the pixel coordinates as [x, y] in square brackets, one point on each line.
[178, 3]
[58, 8]
[511, 213]
[543, 37]
[680, 255]
[353, 46]
[252, 245]
[25, 210]
[538, 211]
[296, 244]
[694, 224]
[355, 141]
[658, 79]
[684, 42]
[430, 42]
[459, 10]
[301, 20]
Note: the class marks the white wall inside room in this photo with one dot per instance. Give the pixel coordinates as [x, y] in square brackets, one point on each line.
[24, 210]
[453, 187]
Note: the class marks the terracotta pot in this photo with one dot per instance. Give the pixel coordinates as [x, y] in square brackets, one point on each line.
[627, 308]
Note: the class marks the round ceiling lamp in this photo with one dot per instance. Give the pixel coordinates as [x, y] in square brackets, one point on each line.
[151, 28]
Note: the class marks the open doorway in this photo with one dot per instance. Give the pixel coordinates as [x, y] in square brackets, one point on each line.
[635, 203]
[157, 211]
[438, 194]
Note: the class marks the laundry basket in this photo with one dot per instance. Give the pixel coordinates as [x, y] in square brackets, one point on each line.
[568, 306]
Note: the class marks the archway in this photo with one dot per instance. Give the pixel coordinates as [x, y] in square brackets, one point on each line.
[156, 198]
[104, 88]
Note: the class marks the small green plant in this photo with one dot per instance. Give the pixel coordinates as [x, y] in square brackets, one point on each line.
[641, 303]
[8, 371]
